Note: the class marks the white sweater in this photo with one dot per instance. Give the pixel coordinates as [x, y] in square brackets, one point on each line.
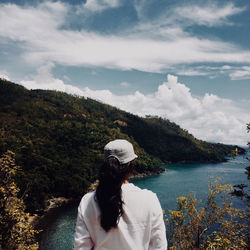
[140, 228]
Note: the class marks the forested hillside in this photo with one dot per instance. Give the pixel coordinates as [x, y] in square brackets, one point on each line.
[58, 140]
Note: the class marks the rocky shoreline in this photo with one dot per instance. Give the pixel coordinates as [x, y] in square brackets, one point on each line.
[148, 173]
[53, 204]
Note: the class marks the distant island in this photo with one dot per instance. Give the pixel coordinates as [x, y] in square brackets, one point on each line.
[58, 141]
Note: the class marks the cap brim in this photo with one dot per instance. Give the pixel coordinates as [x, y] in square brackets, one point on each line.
[134, 156]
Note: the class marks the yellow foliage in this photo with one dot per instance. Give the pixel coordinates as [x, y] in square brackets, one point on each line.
[16, 231]
[194, 229]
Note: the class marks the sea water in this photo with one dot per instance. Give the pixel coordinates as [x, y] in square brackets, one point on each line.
[178, 180]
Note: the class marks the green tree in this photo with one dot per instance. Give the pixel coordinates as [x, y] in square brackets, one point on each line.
[16, 232]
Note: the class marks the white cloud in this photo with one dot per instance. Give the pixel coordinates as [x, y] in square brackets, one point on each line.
[209, 117]
[241, 74]
[66, 78]
[124, 84]
[209, 15]
[226, 67]
[140, 6]
[45, 80]
[191, 72]
[171, 22]
[100, 5]
[236, 72]
[45, 41]
[5, 75]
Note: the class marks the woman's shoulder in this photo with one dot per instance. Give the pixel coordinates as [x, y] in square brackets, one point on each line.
[87, 198]
[130, 187]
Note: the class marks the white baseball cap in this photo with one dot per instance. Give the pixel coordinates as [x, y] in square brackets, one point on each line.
[122, 150]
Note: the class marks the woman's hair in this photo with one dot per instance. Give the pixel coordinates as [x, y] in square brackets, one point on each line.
[108, 193]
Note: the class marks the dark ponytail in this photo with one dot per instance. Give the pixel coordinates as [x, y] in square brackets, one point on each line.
[108, 193]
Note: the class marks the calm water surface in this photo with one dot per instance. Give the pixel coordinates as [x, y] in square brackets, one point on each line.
[178, 180]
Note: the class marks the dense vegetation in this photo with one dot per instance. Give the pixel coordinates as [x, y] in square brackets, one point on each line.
[58, 140]
[16, 231]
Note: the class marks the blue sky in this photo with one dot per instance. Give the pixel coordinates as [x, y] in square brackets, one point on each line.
[187, 61]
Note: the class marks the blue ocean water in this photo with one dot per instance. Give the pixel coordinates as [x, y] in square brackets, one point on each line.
[178, 180]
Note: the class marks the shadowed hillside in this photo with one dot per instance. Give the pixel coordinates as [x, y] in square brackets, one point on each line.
[58, 140]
